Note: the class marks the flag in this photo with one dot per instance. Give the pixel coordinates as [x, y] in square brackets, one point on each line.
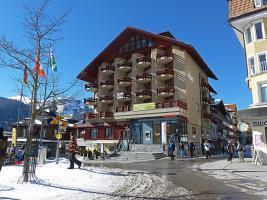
[40, 67]
[53, 63]
[25, 76]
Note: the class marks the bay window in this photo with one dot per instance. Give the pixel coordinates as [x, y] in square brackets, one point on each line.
[258, 31]
[262, 62]
[248, 35]
[263, 93]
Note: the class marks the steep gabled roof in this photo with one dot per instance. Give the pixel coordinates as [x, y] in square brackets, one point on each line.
[89, 74]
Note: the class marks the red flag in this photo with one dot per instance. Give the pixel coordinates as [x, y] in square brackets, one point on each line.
[39, 66]
[25, 76]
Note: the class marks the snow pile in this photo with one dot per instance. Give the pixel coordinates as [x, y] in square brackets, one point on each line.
[57, 182]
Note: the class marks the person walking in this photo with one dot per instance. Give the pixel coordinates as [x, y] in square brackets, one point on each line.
[191, 147]
[172, 148]
[240, 151]
[73, 151]
[181, 149]
[230, 150]
[223, 149]
[207, 147]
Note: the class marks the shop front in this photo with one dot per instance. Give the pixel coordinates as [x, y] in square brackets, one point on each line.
[159, 130]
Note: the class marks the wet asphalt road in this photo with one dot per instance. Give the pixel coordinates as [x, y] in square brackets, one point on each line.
[179, 172]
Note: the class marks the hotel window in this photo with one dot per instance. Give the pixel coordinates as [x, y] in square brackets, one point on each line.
[264, 93]
[262, 62]
[248, 35]
[251, 65]
[258, 31]
[94, 133]
[109, 133]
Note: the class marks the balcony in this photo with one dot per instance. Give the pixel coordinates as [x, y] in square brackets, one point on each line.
[107, 69]
[124, 67]
[166, 91]
[263, 66]
[91, 87]
[90, 116]
[123, 97]
[107, 84]
[172, 104]
[143, 94]
[207, 116]
[123, 109]
[90, 101]
[206, 100]
[106, 99]
[106, 115]
[143, 62]
[164, 58]
[124, 82]
[144, 78]
[165, 74]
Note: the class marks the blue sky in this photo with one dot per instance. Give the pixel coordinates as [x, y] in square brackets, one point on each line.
[92, 25]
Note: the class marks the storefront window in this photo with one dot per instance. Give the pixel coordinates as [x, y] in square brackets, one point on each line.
[94, 133]
[109, 133]
[136, 133]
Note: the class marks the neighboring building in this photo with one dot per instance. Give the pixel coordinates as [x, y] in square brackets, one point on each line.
[220, 124]
[232, 109]
[148, 88]
[249, 21]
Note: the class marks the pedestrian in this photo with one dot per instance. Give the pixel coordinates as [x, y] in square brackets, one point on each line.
[230, 150]
[191, 147]
[73, 151]
[171, 149]
[181, 149]
[202, 148]
[223, 149]
[96, 154]
[240, 151]
[207, 147]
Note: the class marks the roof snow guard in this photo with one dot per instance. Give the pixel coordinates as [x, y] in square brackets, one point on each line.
[90, 73]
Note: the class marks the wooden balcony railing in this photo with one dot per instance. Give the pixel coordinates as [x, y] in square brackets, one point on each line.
[124, 64]
[89, 86]
[165, 71]
[143, 76]
[124, 96]
[143, 60]
[90, 100]
[207, 116]
[106, 98]
[143, 93]
[166, 54]
[172, 104]
[124, 80]
[206, 100]
[166, 90]
[88, 116]
[107, 68]
[123, 108]
[104, 83]
[106, 114]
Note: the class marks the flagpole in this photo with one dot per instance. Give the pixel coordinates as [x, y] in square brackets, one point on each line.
[18, 118]
[46, 80]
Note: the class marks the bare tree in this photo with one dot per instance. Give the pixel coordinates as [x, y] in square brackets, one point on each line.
[41, 31]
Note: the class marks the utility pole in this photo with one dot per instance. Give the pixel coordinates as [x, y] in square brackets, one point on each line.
[58, 140]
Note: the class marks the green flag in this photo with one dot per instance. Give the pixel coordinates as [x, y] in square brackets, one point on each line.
[53, 63]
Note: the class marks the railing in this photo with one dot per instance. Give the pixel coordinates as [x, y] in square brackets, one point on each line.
[124, 96]
[106, 98]
[165, 90]
[207, 116]
[172, 104]
[106, 114]
[88, 86]
[90, 116]
[107, 68]
[90, 100]
[110, 83]
[165, 54]
[124, 80]
[124, 64]
[143, 93]
[263, 66]
[123, 109]
[252, 69]
[206, 100]
[165, 71]
[143, 60]
[144, 76]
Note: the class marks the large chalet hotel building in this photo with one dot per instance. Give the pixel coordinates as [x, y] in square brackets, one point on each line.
[148, 88]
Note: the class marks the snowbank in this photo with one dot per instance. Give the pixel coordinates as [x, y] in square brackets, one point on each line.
[57, 182]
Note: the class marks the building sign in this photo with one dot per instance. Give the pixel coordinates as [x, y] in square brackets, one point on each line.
[148, 136]
[260, 123]
[144, 106]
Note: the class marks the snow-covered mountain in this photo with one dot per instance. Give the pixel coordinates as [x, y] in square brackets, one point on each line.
[24, 99]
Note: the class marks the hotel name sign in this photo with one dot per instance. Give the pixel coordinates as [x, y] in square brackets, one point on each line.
[144, 106]
[260, 123]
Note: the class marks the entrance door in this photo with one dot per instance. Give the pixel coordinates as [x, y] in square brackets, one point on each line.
[147, 133]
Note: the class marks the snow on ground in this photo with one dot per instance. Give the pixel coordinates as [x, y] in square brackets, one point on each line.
[245, 176]
[57, 182]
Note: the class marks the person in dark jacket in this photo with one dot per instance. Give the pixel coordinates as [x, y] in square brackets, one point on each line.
[191, 148]
[171, 149]
[73, 151]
